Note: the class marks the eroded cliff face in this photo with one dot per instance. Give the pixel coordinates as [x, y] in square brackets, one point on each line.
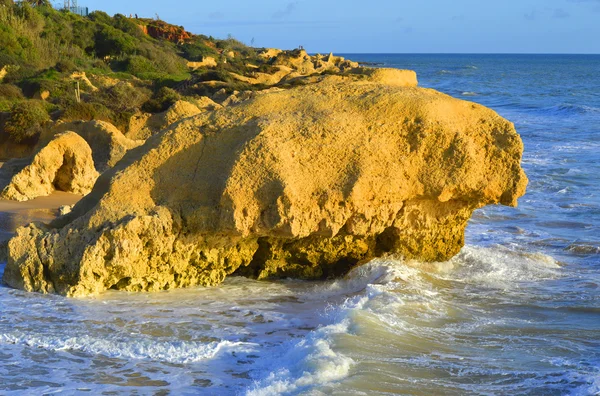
[306, 182]
[161, 30]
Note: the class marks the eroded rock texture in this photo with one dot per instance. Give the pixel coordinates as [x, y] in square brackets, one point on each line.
[108, 144]
[64, 164]
[305, 182]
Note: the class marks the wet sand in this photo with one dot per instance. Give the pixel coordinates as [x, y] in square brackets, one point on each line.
[15, 214]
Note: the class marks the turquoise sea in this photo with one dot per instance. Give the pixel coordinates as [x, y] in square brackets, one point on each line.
[517, 312]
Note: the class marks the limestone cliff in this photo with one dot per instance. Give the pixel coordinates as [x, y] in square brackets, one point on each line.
[306, 182]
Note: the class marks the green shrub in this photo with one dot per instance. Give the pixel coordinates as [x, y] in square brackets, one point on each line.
[110, 42]
[101, 65]
[87, 112]
[163, 55]
[196, 50]
[163, 99]
[267, 68]
[138, 65]
[83, 35]
[62, 90]
[10, 91]
[100, 17]
[5, 58]
[126, 25]
[66, 66]
[26, 121]
[121, 119]
[124, 97]
[214, 75]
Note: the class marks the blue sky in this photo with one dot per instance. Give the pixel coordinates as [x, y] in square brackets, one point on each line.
[418, 26]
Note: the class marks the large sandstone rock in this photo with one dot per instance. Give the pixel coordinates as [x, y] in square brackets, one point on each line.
[306, 182]
[108, 144]
[154, 123]
[64, 164]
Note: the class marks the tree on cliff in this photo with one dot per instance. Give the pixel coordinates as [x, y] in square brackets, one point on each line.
[39, 3]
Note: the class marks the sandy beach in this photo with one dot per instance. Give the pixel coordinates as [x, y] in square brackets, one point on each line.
[14, 214]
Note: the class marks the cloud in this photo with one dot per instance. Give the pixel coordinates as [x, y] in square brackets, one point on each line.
[531, 16]
[559, 13]
[399, 19]
[458, 17]
[288, 10]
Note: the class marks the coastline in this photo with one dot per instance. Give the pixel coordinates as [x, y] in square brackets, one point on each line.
[514, 312]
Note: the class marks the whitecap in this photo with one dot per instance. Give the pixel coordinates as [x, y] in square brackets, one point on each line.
[501, 267]
[171, 352]
[307, 364]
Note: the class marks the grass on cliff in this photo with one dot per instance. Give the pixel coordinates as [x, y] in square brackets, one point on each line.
[41, 48]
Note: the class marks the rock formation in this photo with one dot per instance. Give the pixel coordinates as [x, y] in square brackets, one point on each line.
[3, 73]
[207, 61]
[270, 53]
[150, 124]
[81, 77]
[108, 144]
[161, 30]
[296, 63]
[65, 164]
[306, 182]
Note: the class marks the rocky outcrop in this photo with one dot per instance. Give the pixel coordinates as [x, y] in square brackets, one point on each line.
[151, 124]
[3, 73]
[86, 83]
[238, 97]
[306, 182]
[300, 61]
[270, 53]
[64, 164]
[402, 78]
[108, 144]
[296, 64]
[265, 78]
[207, 61]
[161, 30]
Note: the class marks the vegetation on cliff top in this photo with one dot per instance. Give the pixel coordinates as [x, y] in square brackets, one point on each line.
[121, 64]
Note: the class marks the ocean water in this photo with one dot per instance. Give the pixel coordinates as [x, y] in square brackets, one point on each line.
[516, 312]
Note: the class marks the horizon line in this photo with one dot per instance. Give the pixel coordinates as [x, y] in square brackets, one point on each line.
[455, 53]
